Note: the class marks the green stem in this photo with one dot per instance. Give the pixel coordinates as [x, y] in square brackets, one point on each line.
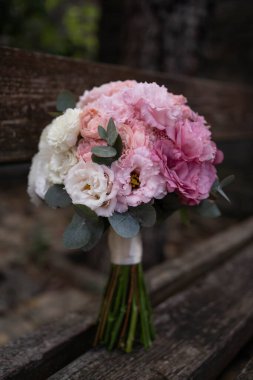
[132, 327]
[148, 304]
[145, 327]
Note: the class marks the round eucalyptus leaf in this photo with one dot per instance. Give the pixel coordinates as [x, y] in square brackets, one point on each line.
[65, 100]
[57, 196]
[145, 214]
[124, 224]
[104, 151]
[77, 234]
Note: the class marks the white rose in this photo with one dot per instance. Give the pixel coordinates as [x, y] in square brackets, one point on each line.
[38, 182]
[59, 165]
[64, 130]
[92, 185]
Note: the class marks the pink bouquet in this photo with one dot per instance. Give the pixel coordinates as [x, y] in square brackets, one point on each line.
[129, 154]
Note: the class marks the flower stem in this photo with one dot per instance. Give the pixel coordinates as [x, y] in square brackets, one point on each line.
[125, 305]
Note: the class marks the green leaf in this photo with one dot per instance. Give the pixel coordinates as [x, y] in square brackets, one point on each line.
[227, 181]
[118, 146]
[102, 160]
[223, 194]
[208, 209]
[104, 151]
[77, 234]
[124, 224]
[96, 234]
[217, 188]
[56, 196]
[86, 213]
[111, 132]
[102, 132]
[65, 100]
[145, 214]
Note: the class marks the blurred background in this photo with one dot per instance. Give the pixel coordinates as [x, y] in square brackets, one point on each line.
[39, 280]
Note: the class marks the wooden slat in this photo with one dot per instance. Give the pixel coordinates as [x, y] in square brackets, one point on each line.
[170, 276]
[61, 342]
[42, 353]
[30, 83]
[241, 368]
[198, 332]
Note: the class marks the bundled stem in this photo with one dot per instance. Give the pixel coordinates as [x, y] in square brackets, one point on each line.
[125, 315]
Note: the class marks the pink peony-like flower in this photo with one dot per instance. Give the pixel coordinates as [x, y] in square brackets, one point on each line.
[192, 140]
[107, 89]
[191, 180]
[138, 178]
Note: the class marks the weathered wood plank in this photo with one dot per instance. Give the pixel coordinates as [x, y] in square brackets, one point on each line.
[241, 368]
[171, 276]
[42, 353]
[30, 83]
[51, 348]
[198, 332]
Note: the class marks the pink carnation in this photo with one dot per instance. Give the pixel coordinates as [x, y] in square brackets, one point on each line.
[192, 140]
[154, 105]
[107, 89]
[191, 180]
[138, 178]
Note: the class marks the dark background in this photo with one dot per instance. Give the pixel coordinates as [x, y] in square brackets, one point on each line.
[210, 39]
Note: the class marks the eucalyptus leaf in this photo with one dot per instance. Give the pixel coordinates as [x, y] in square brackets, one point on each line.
[145, 214]
[104, 151]
[227, 181]
[208, 209]
[111, 132]
[86, 213]
[56, 196]
[65, 100]
[118, 146]
[77, 234]
[102, 132]
[223, 194]
[96, 234]
[102, 160]
[124, 224]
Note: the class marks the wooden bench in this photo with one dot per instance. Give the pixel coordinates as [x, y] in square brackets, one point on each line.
[203, 300]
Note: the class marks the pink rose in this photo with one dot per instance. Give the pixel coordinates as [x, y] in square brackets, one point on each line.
[90, 119]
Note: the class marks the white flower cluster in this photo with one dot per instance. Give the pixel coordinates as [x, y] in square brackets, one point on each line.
[56, 163]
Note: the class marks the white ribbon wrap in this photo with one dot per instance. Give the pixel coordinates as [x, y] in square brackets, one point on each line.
[124, 251]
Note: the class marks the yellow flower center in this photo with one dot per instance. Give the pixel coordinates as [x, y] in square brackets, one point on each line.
[87, 187]
[134, 180]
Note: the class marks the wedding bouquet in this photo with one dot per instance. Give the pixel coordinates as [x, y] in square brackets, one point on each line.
[125, 157]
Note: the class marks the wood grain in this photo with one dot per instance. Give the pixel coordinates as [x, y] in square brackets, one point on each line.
[172, 275]
[43, 352]
[49, 349]
[198, 332]
[30, 83]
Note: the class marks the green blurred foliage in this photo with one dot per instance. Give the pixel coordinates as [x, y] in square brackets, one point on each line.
[55, 26]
